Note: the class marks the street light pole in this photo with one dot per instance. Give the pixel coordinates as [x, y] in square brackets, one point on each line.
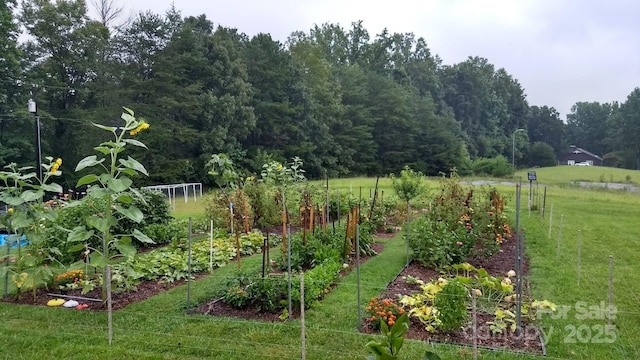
[513, 149]
[33, 108]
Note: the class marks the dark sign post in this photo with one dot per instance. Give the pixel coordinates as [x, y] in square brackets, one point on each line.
[532, 177]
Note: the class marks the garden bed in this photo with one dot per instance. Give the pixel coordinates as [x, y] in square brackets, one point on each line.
[216, 307]
[498, 265]
[150, 288]
[145, 290]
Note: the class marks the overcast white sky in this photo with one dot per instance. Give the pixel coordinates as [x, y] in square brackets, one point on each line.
[561, 51]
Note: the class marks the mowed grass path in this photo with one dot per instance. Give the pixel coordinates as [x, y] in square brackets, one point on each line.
[160, 328]
[607, 222]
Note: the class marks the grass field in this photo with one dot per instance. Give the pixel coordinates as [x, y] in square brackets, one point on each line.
[159, 328]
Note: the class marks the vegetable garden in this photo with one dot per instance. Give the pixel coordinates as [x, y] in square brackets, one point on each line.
[284, 245]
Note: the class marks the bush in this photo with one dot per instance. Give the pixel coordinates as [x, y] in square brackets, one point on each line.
[459, 223]
[541, 154]
[267, 293]
[451, 303]
[436, 244]
[172, 232]
[498, 166]
[266, 212]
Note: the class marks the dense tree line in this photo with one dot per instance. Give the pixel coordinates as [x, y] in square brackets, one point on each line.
[343, 100]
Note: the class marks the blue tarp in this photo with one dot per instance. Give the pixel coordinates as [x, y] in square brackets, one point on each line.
[13, 241]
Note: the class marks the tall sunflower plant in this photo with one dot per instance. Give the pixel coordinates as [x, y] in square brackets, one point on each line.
[111, 183]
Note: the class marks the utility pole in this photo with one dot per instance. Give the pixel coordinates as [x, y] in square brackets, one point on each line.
[33, 108]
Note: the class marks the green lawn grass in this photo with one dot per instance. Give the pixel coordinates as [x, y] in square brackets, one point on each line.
[160, 328]
[558, 175]
[183, 210]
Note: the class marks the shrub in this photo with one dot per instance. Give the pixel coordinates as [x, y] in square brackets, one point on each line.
[235, 293]
[436, 244]
[267, 293]
[266, 212]
[541, 154]
[172, 232]
[498, 166]
[460, 223]
[451, 303]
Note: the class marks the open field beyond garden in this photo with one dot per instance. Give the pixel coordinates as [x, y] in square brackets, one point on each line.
[161, 328]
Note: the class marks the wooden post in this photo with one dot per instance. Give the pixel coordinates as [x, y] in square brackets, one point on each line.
[346, 240]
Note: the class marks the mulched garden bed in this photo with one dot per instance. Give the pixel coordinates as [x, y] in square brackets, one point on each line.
[216, 307]
[498, 265]
[145, 290]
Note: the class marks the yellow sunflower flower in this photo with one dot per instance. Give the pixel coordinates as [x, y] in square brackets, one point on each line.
[143, 126]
